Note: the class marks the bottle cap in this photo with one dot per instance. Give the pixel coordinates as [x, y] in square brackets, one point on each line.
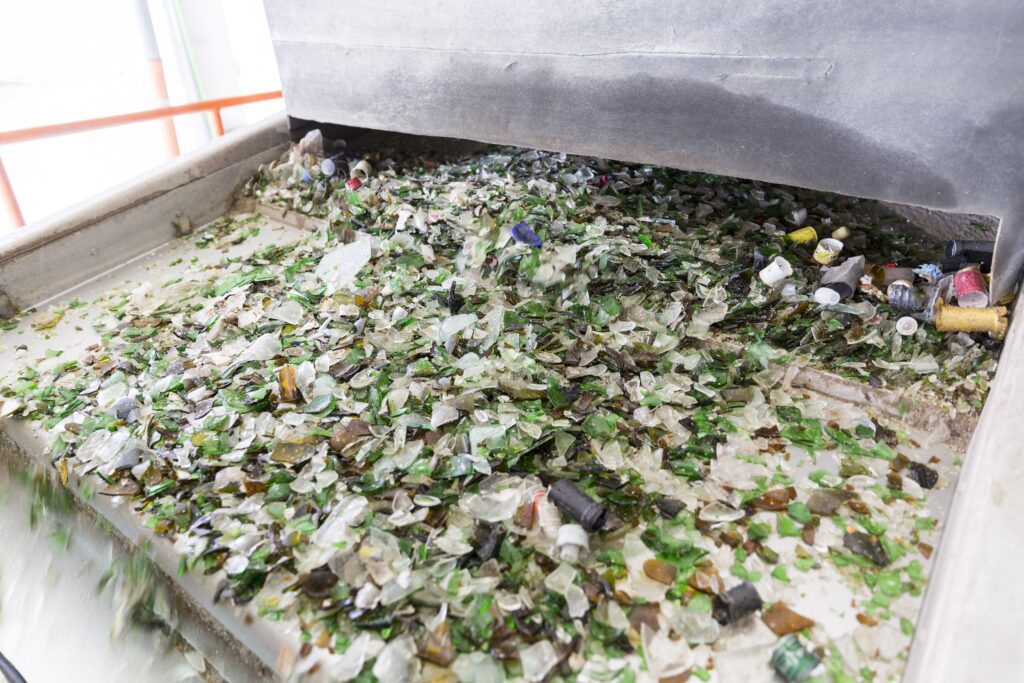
[906, 326]
[572, 534]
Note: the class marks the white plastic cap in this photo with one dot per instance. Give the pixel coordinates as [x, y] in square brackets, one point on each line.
[328, 167]
[572, 534]
[826, 296]
[569, 553]
[906, 326]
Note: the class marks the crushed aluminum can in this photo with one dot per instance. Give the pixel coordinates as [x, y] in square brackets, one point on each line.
[971, 290]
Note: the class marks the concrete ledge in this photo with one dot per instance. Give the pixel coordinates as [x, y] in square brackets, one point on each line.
[52, 255]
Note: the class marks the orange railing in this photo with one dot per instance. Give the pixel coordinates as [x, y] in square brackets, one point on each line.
[9, 200]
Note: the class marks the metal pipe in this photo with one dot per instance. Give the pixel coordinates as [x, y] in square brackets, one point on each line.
[26, 134]
[156, 68]
[10, 202]
[151, 53]
[218, 123]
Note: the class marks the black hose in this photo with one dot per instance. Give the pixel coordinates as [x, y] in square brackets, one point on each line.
[9, 671]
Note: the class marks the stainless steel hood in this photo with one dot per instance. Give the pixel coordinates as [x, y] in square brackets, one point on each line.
[919, 103]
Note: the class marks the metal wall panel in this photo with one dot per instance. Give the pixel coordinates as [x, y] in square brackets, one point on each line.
[913, 102]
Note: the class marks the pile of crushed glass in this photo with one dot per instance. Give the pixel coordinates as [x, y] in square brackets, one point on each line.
[527, 416]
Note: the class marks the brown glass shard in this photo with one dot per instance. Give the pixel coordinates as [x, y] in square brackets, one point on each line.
[731, 538]
[593, 591]
[767, 554]
[290, 452]
[867, 546]
[436, 646]
[678, 678]
[825, 502]
[706, 580]
[866, 620]
[286, 379]
[925, 476]
[851, 468]
[774, 500]
[660, 571]
[645, 614]
[859, 506]
[365, 298]
[782, 620]
[352, 432]
[318, 583]
[525, 514]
